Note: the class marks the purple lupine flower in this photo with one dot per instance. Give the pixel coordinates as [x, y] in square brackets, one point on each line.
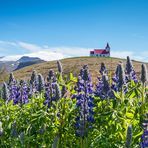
[103, 69]
[5, 92]
[144, 74]
[51, 75]
[59, 65]
[52, 90]
[84, 73]
[14, 132]
[85, 117]
[63, 91]
[13, 92]
[1, 129]
[34, 82]
[11, 79]
[41, 84]
[129, 65]
[129, 70]
[106, 86]
[18, 93]
[121, 76]
[23, 94]
[128, 137]
[48, 94]
[103, 89]
[56, 91]
[144, 137]
[119, 80]
[34, 77]
[84, 96]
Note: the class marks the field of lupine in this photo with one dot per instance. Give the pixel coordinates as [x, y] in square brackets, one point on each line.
[68, 112]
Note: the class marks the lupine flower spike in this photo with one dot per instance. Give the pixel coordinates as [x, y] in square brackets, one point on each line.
[34, 81]
[144, 137]
[11, 78]
[1, 129]
[59, 65]
[130, 73]
[144, 74]
[84, 97]
[128, 137]
[41, 86]
[5, 92]
[103, 69]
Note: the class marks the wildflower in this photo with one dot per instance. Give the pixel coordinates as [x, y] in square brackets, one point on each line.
[84, 103]
[11, 78]
[22, 138]
[121, 76]
[13, 92]
[57, 91]
[52, 92]
[34, 77]
[119, 80]
[60, 69]
[48, 94]
[144, 137]
[129, 65]
[103, 89]
[5, 92]
[50, 75]
[106, 86]
[144, 75]
[1, 129]
[14, 129]
[34, 81]
[23, 96]
[64, 90]
[41, 86]
[131, 74]
[128, 137]
[103, 69]
[84, 73]
[55, 142]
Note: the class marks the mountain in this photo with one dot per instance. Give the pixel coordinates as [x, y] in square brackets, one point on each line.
[21, 63]
[74, 65]
[27, 61]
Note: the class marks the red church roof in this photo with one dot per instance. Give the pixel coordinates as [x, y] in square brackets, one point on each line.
[100, 51]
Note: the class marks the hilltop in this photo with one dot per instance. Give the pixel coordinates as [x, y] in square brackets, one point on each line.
[74, 65]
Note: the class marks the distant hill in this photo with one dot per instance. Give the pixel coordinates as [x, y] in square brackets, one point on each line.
[22, 62]
[74, 65]
[27, 61]
[9, 66]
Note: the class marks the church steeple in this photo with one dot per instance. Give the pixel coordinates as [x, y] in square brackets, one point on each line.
[107, 47]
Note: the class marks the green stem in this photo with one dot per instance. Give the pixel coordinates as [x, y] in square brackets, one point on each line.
[81, 143]
[143, 98]
[122, 95]
[143, 94]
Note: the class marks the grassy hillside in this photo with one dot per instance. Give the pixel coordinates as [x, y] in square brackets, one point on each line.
[74, 65]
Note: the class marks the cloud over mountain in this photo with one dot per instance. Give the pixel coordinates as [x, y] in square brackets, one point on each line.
[15, 50]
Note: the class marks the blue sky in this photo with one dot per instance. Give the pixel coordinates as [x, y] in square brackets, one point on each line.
[73, 27]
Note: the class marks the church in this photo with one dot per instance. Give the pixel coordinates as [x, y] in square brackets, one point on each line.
[101, 52]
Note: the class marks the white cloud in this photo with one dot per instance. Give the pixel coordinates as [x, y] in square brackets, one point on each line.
[30, 47]
[54, 53]
[44, 55]
[7, 43]
[139, 56]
